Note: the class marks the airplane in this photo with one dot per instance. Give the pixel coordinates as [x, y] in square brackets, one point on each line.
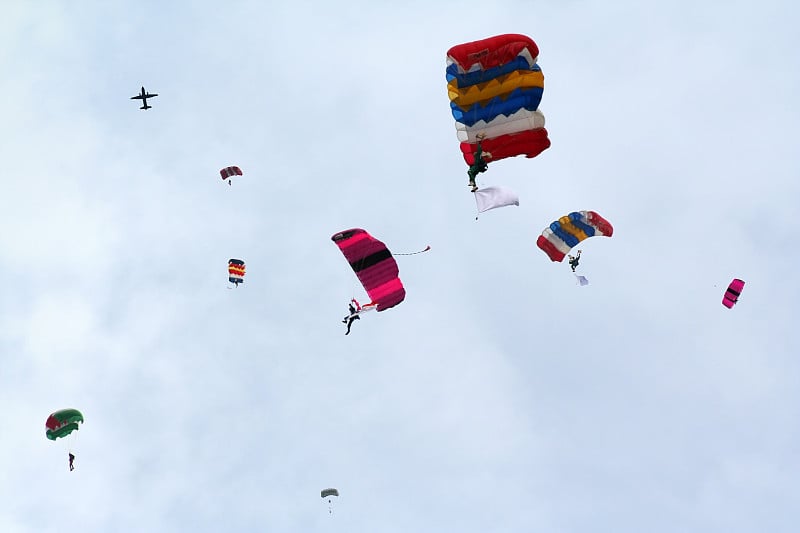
[144, 96]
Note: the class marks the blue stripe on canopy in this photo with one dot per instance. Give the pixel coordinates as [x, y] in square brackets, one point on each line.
[465, 79]
[568, 238]
[515, 100]
[580, 221]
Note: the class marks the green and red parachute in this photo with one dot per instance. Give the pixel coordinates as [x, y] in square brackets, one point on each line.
[62, 423]
[374, 265]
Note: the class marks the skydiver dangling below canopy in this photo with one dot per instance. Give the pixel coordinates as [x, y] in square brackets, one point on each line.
[479, 164]
[573, 260]
[353, 314]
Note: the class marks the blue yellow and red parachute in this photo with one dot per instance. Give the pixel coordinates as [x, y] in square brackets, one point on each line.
[495, 86]
[561, 235]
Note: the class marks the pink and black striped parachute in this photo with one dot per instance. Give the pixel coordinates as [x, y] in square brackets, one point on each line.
[732, 293]
[227, 172]
[374, 265]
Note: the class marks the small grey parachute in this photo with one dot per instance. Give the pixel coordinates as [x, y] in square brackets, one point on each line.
[329, 492]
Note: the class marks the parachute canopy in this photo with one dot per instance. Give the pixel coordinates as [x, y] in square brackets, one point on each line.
[374, 265]
[227, 172]
[558, 239]
[495, 86]
[62, 423]
[732, 293]
[329, 492]
[236, 271]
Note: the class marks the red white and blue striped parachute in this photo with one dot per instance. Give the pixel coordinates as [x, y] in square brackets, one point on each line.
[732, 293]
[559, 237]
[227, 172]
[495, 86]
[374, 265]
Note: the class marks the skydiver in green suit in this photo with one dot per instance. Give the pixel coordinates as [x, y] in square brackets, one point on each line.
[479, 164]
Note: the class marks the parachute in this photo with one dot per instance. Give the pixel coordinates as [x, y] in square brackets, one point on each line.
[374, 265]
[732, 293]
[495, 86]
[557, 239]
[329, 492]
[236, 271]
[62, 423]
[228, 172]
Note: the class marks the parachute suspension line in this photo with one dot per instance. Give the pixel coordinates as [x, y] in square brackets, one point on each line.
[354, 286]
[420, 251]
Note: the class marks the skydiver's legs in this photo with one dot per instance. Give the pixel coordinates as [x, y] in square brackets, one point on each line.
[472, 172]
[71, 459]
[350, 322]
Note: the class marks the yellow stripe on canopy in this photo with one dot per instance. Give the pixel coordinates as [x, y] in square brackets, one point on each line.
[496, 87]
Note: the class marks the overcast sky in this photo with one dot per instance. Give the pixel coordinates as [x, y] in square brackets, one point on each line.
[500, 396]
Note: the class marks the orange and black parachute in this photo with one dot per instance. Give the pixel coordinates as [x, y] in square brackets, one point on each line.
[236, 271]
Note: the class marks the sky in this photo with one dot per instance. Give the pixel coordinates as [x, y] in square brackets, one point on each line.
[500, 396]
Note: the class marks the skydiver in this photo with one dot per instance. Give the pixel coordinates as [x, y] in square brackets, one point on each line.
[573, 261]
[479, 164]
[352, 316]
[71, 459]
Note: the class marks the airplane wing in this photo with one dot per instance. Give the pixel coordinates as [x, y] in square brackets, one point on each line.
[148, 95]
[139, 97]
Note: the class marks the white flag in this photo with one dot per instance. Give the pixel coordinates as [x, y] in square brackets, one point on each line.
[494, 196]
[582, 280]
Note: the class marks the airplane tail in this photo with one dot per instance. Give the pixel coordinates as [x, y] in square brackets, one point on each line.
[145, 106]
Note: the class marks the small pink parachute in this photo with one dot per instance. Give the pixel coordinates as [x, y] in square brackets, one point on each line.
[732, 293]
